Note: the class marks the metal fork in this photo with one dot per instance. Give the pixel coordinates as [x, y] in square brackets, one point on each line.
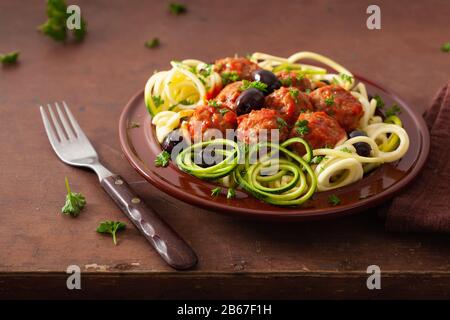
[73, 147]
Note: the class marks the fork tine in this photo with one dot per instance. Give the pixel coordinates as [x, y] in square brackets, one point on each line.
[48, 128]
[73, 121]
[65, 124]
[59, 131]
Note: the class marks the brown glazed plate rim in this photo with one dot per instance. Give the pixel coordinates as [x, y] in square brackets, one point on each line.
[140, 148]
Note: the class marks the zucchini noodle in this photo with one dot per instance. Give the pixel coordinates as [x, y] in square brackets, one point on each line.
[167, 121]
[184, 87]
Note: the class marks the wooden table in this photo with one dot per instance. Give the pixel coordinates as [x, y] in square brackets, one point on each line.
[237, 258]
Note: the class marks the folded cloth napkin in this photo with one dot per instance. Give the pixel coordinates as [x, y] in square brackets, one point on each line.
[425, 205]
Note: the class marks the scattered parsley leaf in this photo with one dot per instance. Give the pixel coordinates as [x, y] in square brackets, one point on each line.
[206, 70]
[185, 102]
[445, 47]
[334, 200]
[75, 202]
[9, 58]
[329, 101]
[111, 227]
[281, 123]
[223, 111]
[231, 193]
[380, 102]
[214, 103]
[294, 94]
[228, 77]
[346, 77]
[216, 191]
[345, 149]
[162, 159]
[134, 124]
[302, 127]
[392, 111]
[157, 101]
[56, 24]
[317, 159]
[287, 82]
[177, 8]
[151, 44]
[253, 84]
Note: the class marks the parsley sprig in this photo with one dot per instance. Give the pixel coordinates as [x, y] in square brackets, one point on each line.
[9, 58]
[228, 77]
[253, 84]
[216, 191]
[294, 94]
[329, 101]
[153, 43]
[281, 123]
[75, 202]
[394, 110]
[157, 101]
[111, 227]
[445, 47]
[379, 100]
[231, 193]
[162, 159]
[334, 200]
[301, 127]
[177, 8]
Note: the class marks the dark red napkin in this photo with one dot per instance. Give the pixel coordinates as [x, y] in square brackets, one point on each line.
[425, 205]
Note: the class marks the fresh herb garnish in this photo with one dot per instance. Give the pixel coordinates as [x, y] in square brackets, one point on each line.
[334, 200]
[56, 25]
[228, 77]
[445, 47]
[177, 8]
[206, 70]
[294, 94]
[216, 191]
[75, 202]
[185, 102]
[345, 149]
[223, 111]
[392, 111]
[153, 43]
[9, 58]
[231, 193]
[111, 227]
[317, 159]
[157, 101]
[162, 159]
[346, 77]
[302, 127]
[253, 84]
[134, 124]
[214, 103]
[286, 82]
[380, 102]
[281, 123]
[329, 101]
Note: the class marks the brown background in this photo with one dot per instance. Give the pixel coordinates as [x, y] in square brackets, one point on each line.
[238, 258]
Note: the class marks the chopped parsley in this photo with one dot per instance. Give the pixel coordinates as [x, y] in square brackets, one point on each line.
[345, 149]
[346, 77]
[253, 84]
[317, 159]
[216, 191]
[206, 70]
[302, 127]
[445, 47]
[394, 110]
[228, 77]
[380, 102]
[334, 200]
[75, 202]
[177, 8]
[111, 227]
[281, 123]
[329, 101]
[223, 111]
[294, 94]
[151, 44]
[162, 159]
[214, 103]
[9, 58]
[286, 82]
[231, 193]
[157, 101]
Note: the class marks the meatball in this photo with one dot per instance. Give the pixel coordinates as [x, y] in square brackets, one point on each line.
[242, 67]
[205, 118]
[290, 102]
[293, 79]
[228, 96]
[250, 126]
[338, 103]
[318, 129]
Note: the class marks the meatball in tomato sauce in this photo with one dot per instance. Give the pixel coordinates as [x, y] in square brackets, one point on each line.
[289, 102]
[338, 103]
[227, 96]
[241, 67]
[318, 129]
[206, 118]
[258, 125]
[293, 79]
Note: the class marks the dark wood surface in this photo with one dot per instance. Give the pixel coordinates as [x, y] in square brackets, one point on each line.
[237, 258]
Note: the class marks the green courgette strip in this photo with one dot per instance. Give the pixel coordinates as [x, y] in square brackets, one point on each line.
[393, 141]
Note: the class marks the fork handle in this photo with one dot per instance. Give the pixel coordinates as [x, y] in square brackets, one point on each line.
[171, 247]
